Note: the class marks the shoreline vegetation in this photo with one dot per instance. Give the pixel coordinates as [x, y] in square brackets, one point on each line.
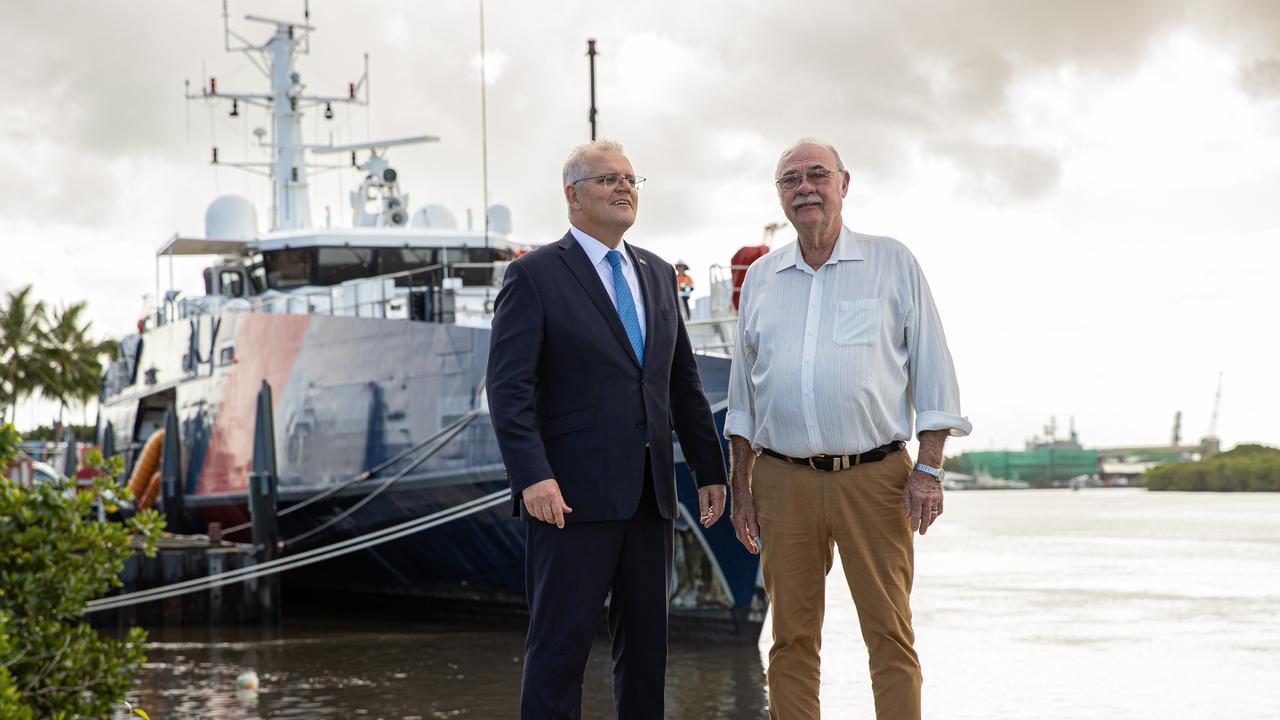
[1244, 468]
[57, 557]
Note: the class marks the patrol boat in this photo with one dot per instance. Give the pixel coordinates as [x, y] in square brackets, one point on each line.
[374, 340]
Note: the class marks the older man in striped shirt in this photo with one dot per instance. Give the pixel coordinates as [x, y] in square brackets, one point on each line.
[839, 345]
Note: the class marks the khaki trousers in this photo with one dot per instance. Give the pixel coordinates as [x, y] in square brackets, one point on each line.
[803, 513]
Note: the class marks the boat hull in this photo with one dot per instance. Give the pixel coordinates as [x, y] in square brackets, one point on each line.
[351, 393]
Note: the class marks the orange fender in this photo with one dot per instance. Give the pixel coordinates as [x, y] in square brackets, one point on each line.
[148, 463]
[153, 489]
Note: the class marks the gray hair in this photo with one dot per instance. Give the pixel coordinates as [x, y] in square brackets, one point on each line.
[575, 168]
[810, 141]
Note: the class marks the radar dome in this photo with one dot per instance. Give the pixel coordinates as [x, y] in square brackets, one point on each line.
[500, 219]
[434, 216]
[230, 217]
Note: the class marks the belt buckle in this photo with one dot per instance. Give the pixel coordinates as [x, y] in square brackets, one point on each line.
[833, 459]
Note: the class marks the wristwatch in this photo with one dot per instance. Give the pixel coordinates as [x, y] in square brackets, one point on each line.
[937, 473]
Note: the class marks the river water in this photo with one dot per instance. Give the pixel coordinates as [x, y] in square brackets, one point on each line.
[1034, 605]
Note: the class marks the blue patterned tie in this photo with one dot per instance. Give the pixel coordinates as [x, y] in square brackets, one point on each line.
[626, 305]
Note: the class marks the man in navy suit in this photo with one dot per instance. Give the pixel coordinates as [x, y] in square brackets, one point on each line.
[590, 370]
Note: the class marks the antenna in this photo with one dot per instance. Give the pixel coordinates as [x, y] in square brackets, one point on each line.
[591, 54]
[484, 130]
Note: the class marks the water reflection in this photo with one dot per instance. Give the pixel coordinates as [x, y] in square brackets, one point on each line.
[338, 667]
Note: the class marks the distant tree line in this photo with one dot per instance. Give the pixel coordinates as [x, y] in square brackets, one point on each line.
[47, 352]
[51, 433]
[1244, 468]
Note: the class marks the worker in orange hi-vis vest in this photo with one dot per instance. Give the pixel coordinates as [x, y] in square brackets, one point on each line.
[685, 284]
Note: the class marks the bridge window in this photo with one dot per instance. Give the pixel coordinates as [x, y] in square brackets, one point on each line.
[231, 283]
[258, 278]
[289, 268]
[339, 264]
[394, 260]
[474, 265]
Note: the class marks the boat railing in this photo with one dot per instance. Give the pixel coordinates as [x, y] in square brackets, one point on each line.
[432, 293]
[713, 329]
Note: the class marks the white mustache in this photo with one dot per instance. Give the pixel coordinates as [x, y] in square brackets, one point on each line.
[810, 199]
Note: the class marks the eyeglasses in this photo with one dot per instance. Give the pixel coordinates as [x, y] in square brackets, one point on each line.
[816, 176]
[612, 179]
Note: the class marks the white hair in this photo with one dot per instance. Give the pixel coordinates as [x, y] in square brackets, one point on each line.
[575, 168]
[810, 141]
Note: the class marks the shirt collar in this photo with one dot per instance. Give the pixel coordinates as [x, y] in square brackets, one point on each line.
[846, 249]
[595, 249]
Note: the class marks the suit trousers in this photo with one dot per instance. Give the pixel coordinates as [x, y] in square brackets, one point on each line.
[569, 573]
[803, 513]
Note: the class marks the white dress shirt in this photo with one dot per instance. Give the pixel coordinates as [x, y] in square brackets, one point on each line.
[835, 361]
[596, 252]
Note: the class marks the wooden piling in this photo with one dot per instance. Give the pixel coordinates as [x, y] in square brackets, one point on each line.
[179, 558]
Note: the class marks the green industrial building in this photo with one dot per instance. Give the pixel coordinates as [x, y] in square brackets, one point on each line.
[1039, 467]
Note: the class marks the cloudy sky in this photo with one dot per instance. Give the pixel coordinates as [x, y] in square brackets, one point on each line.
[1090, 186]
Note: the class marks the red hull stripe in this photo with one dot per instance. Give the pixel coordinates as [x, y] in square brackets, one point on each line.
[271, 345]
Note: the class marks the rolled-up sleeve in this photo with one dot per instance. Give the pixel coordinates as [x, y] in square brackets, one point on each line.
[740, 418]
[935, 394]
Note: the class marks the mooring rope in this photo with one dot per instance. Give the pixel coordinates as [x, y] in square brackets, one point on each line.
[366, 474]
[309, 557]
[452, 431]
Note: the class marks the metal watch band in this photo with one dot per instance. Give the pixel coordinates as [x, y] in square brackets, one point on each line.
[933, 471]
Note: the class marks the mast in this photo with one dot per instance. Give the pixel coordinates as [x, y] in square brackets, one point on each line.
[291, 209]
[591, 54]
[1217, 402]
[286, 101]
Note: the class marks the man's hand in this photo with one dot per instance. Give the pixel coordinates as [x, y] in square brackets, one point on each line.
[922, 500]
[745, 524]
[543, 501]
[710, 504]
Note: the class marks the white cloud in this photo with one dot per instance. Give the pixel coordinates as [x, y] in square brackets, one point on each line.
[1089, 185]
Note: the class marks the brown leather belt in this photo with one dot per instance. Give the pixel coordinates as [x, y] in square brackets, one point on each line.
[834, 463]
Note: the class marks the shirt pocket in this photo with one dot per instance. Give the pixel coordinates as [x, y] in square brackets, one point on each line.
[858, 321]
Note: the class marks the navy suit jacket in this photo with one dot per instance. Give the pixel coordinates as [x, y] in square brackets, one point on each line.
[569, 400]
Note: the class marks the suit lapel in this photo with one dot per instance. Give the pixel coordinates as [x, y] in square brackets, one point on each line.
[648, 287]
[580, 265]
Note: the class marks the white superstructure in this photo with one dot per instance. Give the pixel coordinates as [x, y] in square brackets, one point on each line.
[379, 266]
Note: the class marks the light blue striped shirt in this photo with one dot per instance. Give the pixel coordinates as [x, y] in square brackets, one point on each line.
[838, 361]
[596, 252]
